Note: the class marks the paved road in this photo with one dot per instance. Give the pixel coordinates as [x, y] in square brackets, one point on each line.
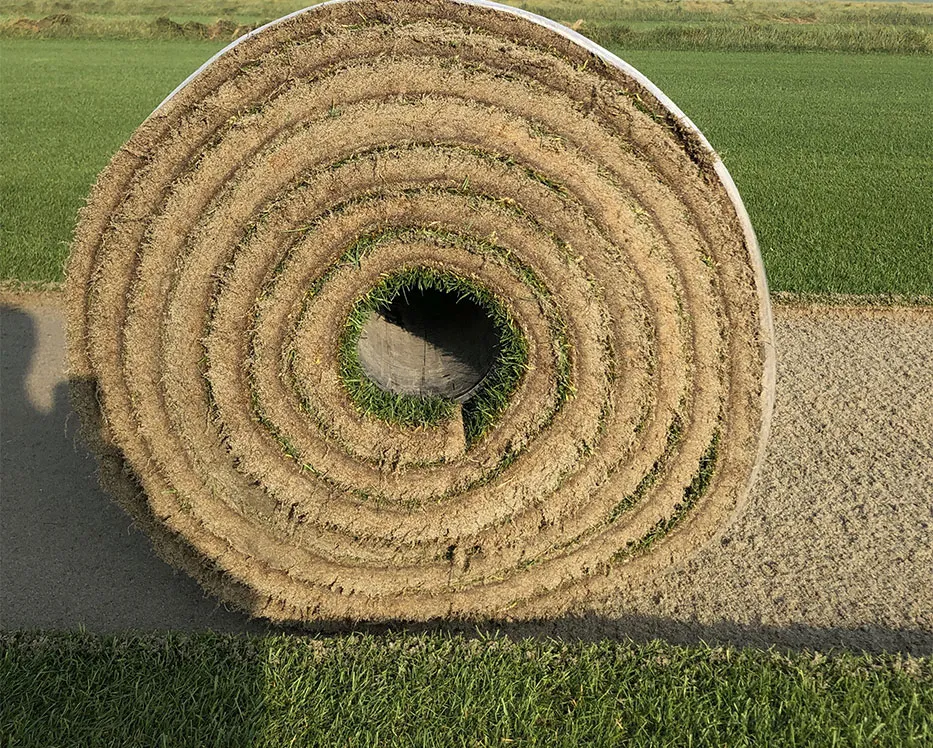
[833, 549]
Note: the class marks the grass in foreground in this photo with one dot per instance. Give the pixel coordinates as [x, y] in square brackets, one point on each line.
[210, 689]
[830, 151]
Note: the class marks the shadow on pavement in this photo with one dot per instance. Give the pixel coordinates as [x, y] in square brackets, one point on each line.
[69, 557]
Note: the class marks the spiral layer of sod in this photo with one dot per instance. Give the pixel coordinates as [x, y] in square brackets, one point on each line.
[234, 251]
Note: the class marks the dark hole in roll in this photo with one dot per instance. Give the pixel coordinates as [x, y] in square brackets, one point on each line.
[429, 343]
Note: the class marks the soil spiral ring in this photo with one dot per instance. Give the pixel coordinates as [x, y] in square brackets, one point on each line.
[361, 157]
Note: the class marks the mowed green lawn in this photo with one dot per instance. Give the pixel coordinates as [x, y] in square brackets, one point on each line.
[65, 108]
[833, 155]
[438, 690]
[832, 152]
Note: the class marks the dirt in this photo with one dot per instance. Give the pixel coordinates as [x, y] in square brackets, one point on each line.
[205, 372]
[831, 550]
[70, 556]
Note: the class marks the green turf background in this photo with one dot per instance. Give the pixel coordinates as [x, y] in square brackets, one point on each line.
[66, 108]
[833, 156]
[831, 152]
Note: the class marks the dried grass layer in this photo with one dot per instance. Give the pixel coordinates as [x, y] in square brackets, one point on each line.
[218, 261]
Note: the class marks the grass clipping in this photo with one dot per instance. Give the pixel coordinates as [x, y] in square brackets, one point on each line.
[220, 266]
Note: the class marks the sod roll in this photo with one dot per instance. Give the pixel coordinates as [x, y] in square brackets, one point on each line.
[415, 309]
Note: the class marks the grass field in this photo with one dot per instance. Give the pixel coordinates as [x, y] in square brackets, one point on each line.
[67, 106]
[427, 690]
[830, 151]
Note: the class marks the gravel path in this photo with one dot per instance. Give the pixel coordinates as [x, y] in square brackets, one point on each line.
[833, 548]
[834, 545]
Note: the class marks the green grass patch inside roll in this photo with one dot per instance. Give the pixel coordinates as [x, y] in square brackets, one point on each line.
[481, 410]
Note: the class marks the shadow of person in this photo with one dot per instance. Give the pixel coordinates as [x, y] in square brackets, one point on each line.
[69, 557]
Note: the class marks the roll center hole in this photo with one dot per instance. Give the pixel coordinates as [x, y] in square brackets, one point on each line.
[429, 343]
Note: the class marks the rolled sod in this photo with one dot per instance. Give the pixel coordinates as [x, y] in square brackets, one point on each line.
[419, 309]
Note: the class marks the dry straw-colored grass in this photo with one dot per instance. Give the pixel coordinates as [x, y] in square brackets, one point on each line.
[205, 347]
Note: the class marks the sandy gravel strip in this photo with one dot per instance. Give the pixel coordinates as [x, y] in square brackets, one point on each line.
[833, 548]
